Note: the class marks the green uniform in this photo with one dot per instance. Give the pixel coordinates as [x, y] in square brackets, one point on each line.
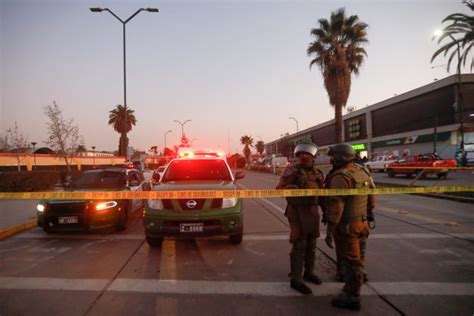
[347, 220]
[303, 217]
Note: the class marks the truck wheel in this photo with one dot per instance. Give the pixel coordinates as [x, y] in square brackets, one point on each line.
[390, 173]
[417, 172]
[154, 242]
[442, 175]
[123, 218]
[236, 239]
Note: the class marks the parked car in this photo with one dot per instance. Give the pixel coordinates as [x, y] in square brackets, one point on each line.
[158, 174]
[271, 163]
[380, 163]
[74, 215]
[195, 217]
[414, 165]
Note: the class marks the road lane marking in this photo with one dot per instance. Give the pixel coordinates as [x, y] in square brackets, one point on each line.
[428, 219]
[23, 283]
[266, 201]
[168, 259]
[252, 237]
[198, 287]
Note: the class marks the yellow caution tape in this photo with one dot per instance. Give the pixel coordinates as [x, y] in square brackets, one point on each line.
[209, 194]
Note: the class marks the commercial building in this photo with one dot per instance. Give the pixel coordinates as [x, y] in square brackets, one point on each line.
[426, 119]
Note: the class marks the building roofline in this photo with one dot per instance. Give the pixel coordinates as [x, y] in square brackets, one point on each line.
[432, 86]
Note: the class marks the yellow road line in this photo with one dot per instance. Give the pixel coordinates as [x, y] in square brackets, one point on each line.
[167, 305]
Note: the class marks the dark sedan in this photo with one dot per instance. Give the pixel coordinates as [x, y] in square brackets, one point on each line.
[80, 215]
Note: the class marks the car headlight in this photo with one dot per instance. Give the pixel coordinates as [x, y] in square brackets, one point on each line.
[40, 207]
[105, 205]
[155, 204]
[229, 202]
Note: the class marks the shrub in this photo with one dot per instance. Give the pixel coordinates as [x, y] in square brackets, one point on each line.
[11, 181]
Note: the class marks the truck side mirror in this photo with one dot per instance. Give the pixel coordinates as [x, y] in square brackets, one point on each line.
[156, 177]
[239, 175]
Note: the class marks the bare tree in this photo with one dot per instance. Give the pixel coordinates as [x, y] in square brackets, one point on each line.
[63, 134]
[15, 142]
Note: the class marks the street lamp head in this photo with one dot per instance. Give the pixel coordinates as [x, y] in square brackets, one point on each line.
[152, 10]
[96, 9]
[34, 144]
[437, 33]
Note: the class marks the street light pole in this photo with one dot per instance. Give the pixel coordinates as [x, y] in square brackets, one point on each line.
[297, 128]
[93, 156]
[182, 126]
[165, 141]
[460, 101]
[34, 155]
[95, 10]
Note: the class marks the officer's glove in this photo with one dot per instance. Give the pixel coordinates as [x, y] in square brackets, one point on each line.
[329, 240]
[371, 220]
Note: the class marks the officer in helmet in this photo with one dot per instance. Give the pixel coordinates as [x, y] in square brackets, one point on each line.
[348, 221]
[303, 216]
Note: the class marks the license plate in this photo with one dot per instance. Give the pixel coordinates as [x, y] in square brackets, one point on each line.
[191, 228]
[68, 220]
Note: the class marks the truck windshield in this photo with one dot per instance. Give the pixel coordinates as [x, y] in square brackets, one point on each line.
[197, 169]
[99, 179]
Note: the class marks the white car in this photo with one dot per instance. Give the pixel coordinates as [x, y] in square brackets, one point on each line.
[380, 163]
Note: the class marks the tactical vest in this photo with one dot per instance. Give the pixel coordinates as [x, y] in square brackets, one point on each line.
[355, 206]
[306, 179]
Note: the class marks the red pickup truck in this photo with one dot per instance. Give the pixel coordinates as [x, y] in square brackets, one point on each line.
[414, 165]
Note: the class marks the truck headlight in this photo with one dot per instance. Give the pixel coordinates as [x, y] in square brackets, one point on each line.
[155, 204]
[40, 207]
[229, 202]
[105, 205]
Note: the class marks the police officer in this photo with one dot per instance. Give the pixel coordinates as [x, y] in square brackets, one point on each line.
[348, 221]
[303, 216]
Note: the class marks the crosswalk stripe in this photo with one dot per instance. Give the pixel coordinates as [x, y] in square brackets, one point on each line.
[198, 287]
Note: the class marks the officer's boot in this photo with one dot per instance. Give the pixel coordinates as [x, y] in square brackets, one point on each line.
[309, 262]
[339, 269]
[350, 298]
[347, 301]
[363, 248]
[296, 263]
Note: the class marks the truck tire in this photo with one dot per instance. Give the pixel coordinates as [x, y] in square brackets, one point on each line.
[391, 173]
[123, 219]
[236, 239]
[154, 242]
[442, 175]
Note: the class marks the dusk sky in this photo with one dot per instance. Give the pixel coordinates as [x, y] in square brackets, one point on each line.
[232, 67]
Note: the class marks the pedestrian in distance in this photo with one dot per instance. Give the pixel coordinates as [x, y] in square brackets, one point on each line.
[303, 216]
[348, 220]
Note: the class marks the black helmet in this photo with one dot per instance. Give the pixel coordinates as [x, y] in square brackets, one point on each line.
[342, 153]
[309, 148]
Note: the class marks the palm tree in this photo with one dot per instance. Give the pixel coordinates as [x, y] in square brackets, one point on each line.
[122, 121]
[461, 32]
[338, 53]
[247, 141]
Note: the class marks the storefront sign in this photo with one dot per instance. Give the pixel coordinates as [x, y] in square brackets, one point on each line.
[359, 147]
[412, 140]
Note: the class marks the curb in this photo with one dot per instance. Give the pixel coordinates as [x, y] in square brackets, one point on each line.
[442, 196]
[17, 229]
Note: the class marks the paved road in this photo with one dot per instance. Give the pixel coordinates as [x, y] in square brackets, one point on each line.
[420, 260]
